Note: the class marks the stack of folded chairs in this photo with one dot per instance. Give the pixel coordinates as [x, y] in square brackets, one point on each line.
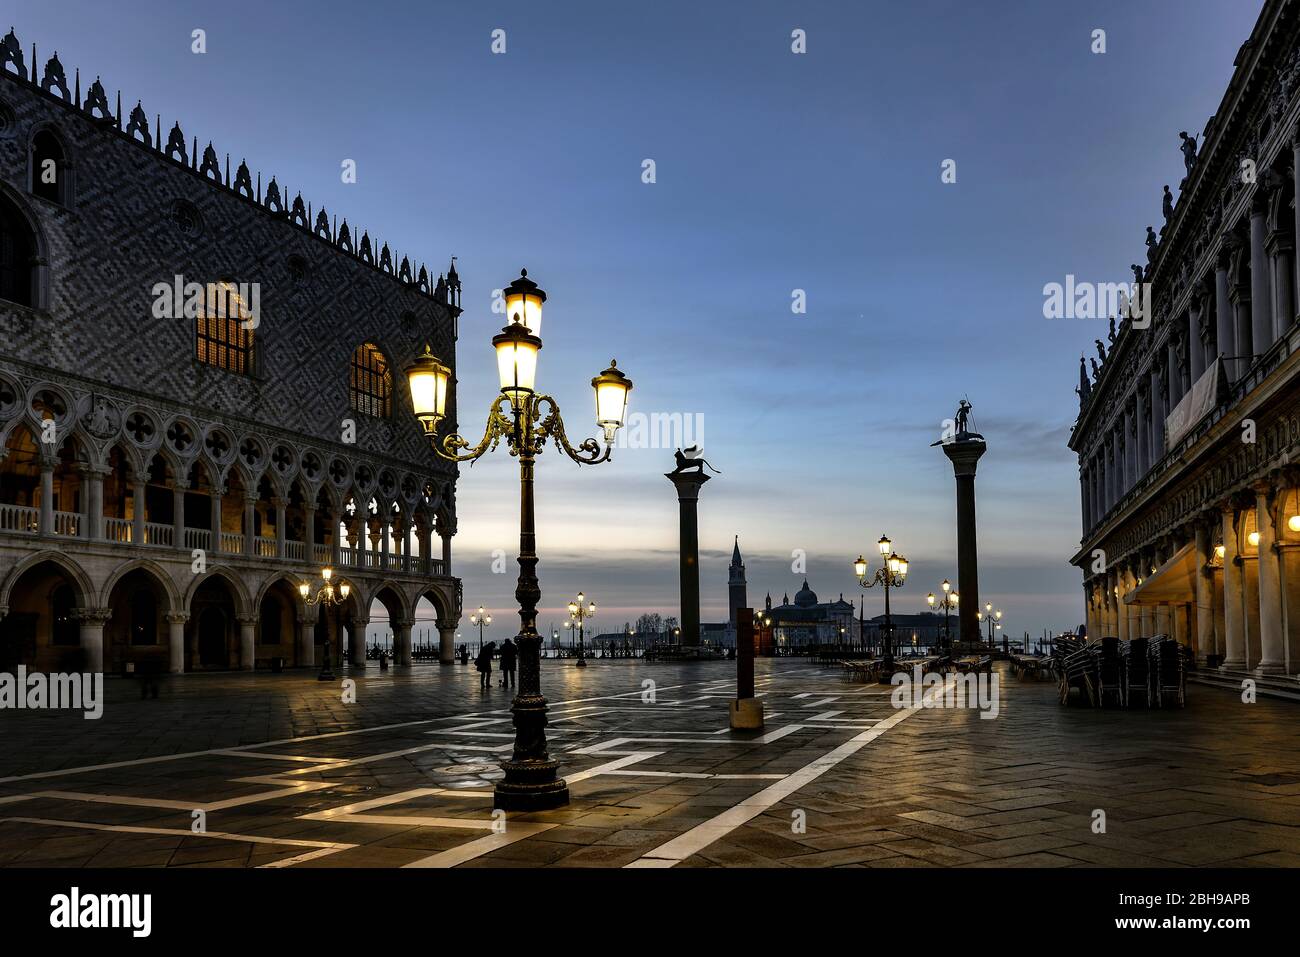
[1134, 673]
[1167, 678]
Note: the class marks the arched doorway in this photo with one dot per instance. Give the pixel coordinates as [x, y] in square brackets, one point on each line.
[41, 630]
[277, 625]
[212, 634]
[136, 634]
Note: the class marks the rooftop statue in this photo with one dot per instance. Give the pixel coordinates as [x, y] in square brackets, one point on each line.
[1189, 150]
[691, 460]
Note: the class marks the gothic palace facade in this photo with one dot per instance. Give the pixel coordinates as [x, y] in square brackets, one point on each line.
[1188, 436]
[166, 484]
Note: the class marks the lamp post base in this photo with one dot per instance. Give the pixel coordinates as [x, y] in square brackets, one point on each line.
[530, 786]
[582, 662]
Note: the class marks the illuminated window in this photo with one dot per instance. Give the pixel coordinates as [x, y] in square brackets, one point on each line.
[225, 330]
[370, 390]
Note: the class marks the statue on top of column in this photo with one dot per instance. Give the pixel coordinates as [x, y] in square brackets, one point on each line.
[1189, 150]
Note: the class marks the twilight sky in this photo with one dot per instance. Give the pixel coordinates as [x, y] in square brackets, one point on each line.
[774, 172]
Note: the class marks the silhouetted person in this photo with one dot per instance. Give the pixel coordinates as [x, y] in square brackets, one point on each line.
[149, 669]
[484, 665]
[508, 655]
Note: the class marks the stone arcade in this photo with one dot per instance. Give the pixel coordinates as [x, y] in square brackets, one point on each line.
[1189, 436]
[166, 483]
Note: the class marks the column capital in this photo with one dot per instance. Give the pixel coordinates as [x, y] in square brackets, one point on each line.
[92, 615]
[177, 618]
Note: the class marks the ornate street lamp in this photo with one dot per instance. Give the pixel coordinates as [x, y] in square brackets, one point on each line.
[891, 574]
[993, 617]
[948, 602]
[579, 611]
[326, 595]
[480, 620]
[527, 420]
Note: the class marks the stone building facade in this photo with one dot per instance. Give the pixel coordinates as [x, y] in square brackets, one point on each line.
[1188, 434]
[201, 402]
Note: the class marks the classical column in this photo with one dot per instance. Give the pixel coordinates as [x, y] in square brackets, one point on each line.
[358, 646]
[359, 528]
[1261, 292]
[446, 553]
[446, 642]
[688, 486]
[1272, 640]
[1195, 351]
[178, 513]
[176, 643]
[1142, 420]
[1234, 617]
[247, 642]
[1121, 607]
[385, 538]
[94, 530]
[1204, 587]
[336, 546]
[216, 493]
[1223, 325]
[1174, 379]
[1085, 518]
[402, 642]
[137, 509]
[46, 526]
[92, 636]
[307, 638]
[964, 452]
[309, 534]
[1157, 443]
[281, 513]
[250, 525]
[1281, 248]
[424, 538]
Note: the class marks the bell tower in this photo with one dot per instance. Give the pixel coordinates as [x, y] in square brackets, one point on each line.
[737, 596]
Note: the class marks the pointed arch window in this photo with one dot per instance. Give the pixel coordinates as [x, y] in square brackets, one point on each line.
[49, 168]
[370, 388]
[225, 330]
[17, 252]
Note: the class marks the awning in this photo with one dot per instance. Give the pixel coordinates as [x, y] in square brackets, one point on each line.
[1175, 581]
[1196, 404]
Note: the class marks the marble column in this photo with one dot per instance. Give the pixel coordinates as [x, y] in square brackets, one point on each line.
[1271, 637]
[402, 642]
[446, 554]
[446, 643]
[1223, 313]
[250, 525]
[216, 493]
[1143, 423]
[95, 505]
[1234, 618]
[1261, 291]
[1174, 381]
[247, 642]
[281, 513]
[1121, 608]
[1157, 417]
[306, 635]
[1282, 249]
[1204, 586]
[46, 526]
[309, 533]
[1195, 350]
[176, 643]
[137, 509]
[358, 645]
[178, 514]
[385, 539]
[688, 485]
[92, 636]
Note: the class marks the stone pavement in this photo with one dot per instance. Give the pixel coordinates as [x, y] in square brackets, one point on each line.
[281, 773]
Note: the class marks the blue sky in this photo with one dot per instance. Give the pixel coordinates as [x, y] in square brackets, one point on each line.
[775, 172]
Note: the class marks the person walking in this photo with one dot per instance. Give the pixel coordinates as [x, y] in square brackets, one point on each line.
[508, 655]
[484, 664]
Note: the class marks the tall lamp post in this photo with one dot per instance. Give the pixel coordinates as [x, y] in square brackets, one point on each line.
[580, 611]
[527, 420]
[326, 595]
[891, 574]
[948, 602]
[480, 620]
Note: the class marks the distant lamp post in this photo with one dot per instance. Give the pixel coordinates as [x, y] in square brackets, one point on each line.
[992, 617]
[579, 611]
[527, 421]
[480, 620]
[891, 574]
[947, 602]
[326, 595]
